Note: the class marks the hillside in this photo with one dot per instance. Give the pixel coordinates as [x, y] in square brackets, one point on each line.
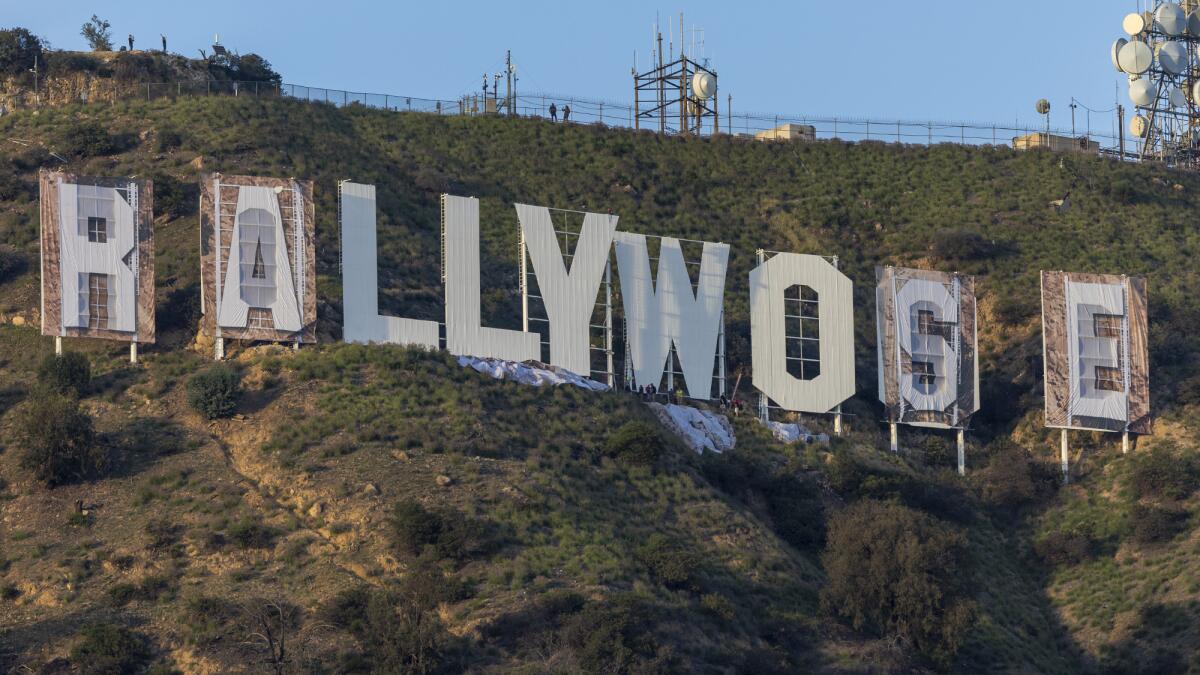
[557, 556]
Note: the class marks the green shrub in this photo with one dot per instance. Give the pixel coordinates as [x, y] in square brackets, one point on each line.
[215, 392]
[636, 443]
[206, 619]
[87, 139]
[168, 138]
[1154, 524]
[249, 533]
[1064, 548]
[61, 64]
[892, 570]
[399, 629]
[57, 441]
[174, 198]
[961, 245]
[69, 374]
[163, 533]
[12, 262]
[109, 648]
[415, 528]
[1161, 473]
[797, 513]
[1011, 480]
[718, 605]
[670, 563]
[616, 637]
[253, 68]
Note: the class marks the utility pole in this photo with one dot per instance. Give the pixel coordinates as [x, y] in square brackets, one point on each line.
[1073, 106]
[508, 82]
[36, 95]
[1121, 130]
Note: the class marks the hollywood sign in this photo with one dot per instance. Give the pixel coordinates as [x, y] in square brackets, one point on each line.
[259, 283]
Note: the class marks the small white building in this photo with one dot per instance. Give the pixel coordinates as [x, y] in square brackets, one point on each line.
[788, 132]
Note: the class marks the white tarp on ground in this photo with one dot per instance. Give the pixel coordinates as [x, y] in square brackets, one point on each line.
[700, 429]
[794, 433]
[525, 373]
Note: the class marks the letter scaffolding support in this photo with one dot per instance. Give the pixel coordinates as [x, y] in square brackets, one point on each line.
[1066, 466]
[962, 452]
[569, 233]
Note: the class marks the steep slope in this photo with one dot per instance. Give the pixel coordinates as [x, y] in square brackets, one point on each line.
[296, 501]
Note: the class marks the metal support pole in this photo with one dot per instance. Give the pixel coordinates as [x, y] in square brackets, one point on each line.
[219, 352]
[296, 346]
[608, 327]
[962, 452]
[721, 359]
[893, 437]
[522, 251]
[1125, 442]
[763, 414]
[1066, 467]
[670, 368]
[837, 412]
[133, 352]
[58, 345]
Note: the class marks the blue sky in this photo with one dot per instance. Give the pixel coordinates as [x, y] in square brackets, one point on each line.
[940, 60]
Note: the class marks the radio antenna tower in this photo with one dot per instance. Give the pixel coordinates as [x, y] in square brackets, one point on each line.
[1161, 62]
[677, 94]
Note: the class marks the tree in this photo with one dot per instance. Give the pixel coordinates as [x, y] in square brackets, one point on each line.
[270, 625]
[894, 571]
[57, 440]
[98, 33]
[254, 68]
[20, 50]
[69, 374]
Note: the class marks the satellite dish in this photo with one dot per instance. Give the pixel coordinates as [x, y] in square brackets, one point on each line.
[1142, 92]
[1116, 49]
[1134, 24]
[1177, 98]
[1193, 22]
[1171, 19]
[1196, 92]
[1042, 106]
[704, 85]
[1139, 125]
[1135, 57]
[1173, 57]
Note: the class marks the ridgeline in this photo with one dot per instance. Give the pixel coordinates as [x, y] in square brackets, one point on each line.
[388, 510]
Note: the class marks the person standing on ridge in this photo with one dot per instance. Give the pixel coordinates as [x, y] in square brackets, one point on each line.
[566, 112]
[553, 113]
[164, 39]
[131, 42]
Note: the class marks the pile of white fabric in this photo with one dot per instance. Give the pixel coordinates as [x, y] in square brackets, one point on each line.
[794, 433]
[700, 429]
[532, 372]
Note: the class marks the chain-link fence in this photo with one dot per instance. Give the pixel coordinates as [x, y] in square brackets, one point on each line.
[574, 109]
